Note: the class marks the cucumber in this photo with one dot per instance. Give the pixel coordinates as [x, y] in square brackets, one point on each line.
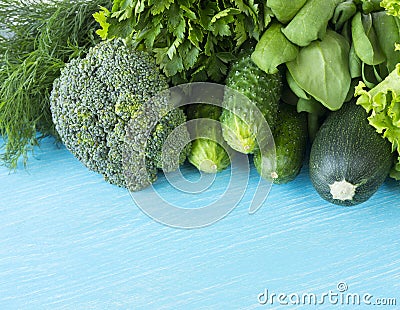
[240, 127]
[290, 136]
[349, 160]
[209, 151]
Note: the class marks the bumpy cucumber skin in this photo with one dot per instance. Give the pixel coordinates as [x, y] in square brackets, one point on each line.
[347, 148]
[290, 136]
[263, 89]
[208, 155]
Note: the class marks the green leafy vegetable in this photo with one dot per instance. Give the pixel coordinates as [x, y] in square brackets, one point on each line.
[343, 12]
[387, 30]
[369, 75]
[296, 89]
[365, 40]
[42, 37]
[191, 40]
[284, 10]
[322, 70]
[382, 103]
[392, 7]
[273, 49]
[368, 6]
[315, 112]
[355, 63]
[311, 22]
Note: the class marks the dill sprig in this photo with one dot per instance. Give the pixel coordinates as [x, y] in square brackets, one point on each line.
[38, 40]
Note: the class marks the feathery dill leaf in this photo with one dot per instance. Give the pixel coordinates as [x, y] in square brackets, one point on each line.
[37, 40]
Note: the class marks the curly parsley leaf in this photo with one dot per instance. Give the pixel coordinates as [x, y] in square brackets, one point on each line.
[192, 40]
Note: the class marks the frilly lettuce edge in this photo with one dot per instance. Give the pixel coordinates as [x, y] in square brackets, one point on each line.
[382, 104]
[392, 7]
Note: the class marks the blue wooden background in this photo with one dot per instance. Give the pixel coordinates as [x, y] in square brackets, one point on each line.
[69, 240]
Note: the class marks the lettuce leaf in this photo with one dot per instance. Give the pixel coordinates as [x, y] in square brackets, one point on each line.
[382, 103]
[392, 7]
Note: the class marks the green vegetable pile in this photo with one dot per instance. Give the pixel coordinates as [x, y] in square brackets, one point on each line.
[327, 47]
[324, 75]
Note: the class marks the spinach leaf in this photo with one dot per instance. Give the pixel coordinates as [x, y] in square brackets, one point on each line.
[354, 63]
[314, 113]
[387, 29]
[322, 70]
[310, 106]
[343, 12]
[296, 89]
[369, 6]
[310, 22]
[346, 31]
[365, 40]
[350, 94]
[285, 10]
[273, 49]
[369, 75]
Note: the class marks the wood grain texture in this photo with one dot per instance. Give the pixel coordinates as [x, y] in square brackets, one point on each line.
[69, 240]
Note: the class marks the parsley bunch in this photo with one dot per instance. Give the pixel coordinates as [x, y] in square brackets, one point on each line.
[192, 40]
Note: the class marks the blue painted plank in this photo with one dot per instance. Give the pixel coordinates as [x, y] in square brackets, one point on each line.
[70, 240]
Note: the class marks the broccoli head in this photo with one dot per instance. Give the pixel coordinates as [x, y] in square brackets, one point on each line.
[100, 108]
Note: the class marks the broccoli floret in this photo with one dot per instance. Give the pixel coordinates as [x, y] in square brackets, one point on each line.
[100, 108]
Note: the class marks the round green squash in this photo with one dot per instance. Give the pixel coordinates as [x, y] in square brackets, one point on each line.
[349, 160]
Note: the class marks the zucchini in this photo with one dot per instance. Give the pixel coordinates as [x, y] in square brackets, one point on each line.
[349, 160]
[290, 136]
